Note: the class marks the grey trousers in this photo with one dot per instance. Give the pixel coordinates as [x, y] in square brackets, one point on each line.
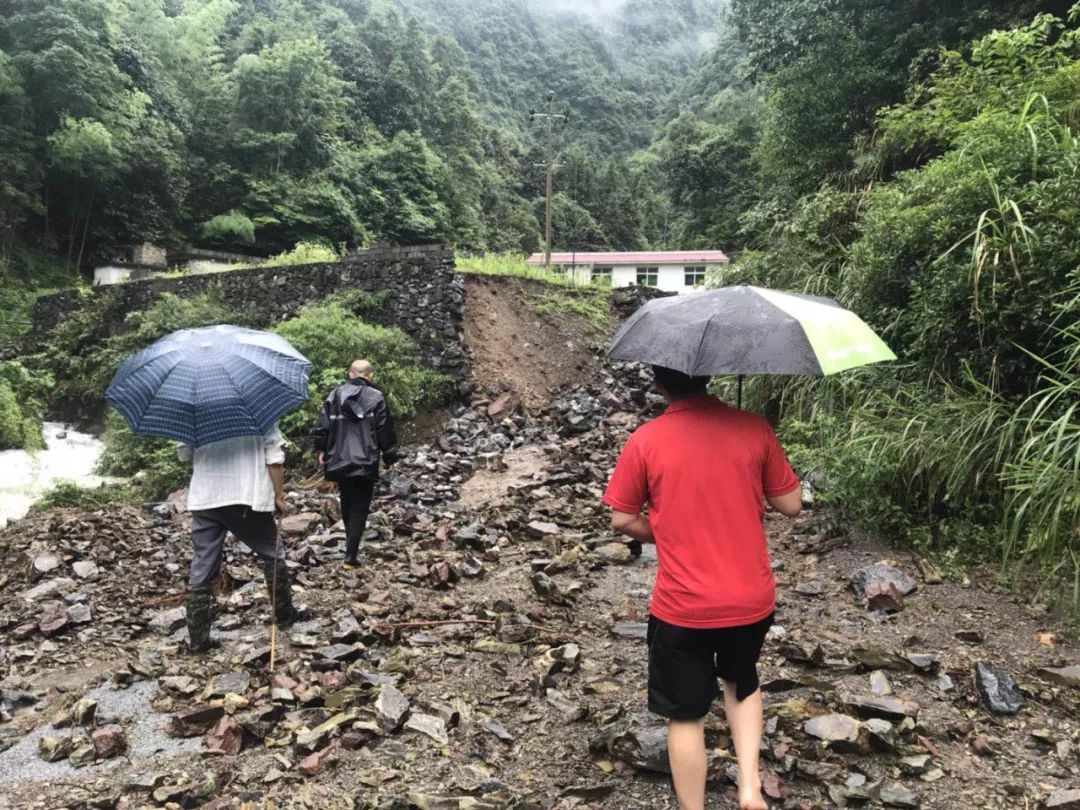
[256, 530]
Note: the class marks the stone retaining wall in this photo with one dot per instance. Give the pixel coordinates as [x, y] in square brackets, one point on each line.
[425, 297]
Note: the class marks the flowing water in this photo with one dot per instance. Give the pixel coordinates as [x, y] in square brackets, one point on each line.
[24, 477]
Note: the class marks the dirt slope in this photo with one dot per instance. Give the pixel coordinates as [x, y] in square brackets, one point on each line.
[520, 340]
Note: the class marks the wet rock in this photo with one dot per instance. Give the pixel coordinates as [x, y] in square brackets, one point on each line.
[644, 749]
[547, 589]
[881, 571]
[85, 569]
[54, 749]
[169, 621]
[430, 725]
[836, 730]
[49, 588]
[499, 730]
[1066, 676]
[896, 795]
[236, 683]
[628, 629]
[541, 528]
[879, 684]
[53, 622]
[391, 708]
[314, 764]
[82, 754]
[299, 524]
[882, 707]
[109, 742]
[79, 613]
[195, 720]
[1063, 800]
[885, 596]
[226, 737]
[997, 690]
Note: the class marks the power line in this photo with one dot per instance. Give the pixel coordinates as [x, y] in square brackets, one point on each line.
[550, 117]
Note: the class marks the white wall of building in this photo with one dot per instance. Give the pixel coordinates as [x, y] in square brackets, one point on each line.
[111, 275]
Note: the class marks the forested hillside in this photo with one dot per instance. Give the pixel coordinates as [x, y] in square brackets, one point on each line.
[916, 160]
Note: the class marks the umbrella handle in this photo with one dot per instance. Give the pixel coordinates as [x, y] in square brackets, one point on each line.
[740, 391]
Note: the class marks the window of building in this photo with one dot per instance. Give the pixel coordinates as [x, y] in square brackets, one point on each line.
[695, 276]
[647, 276]
[601, 276]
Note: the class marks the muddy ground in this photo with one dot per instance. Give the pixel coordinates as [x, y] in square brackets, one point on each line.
[489, 652]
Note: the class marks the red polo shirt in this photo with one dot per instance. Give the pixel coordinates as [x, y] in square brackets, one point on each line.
[703, 468]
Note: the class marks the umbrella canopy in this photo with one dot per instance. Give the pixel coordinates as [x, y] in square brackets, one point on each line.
[204, 385]
[748, 330]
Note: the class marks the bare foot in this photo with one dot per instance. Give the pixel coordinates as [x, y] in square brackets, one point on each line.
[752, 801]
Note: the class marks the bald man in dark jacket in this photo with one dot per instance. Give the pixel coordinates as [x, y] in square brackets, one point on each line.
[353, 431]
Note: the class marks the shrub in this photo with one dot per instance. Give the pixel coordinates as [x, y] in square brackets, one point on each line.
[233, 228]
[23, 395]
[151, 461]
[303, 253]
[69, 494]
[332, 333]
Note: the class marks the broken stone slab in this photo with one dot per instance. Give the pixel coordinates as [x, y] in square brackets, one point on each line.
[491, 645]
[547, 589]
[49, 588]
[566, 658]
[1063, 800]
[391, 708]
[884, 708]
[881, 571]
[236, 683]
[896, 795]
[837, 731]
[883, 595]
[628, 629]
[85, 569]
[195, 720]
[915, 765]
[299, 524]
[923, 662]
[643, 748]
[882, 734]
[813, 588]
[53, 622]
[82, 754]
[44, 563]
[429, 725]
[180, 684]
[109, 742]
[879, 684]
[873, 658]
[1066, 676]
[340, 653]
[540, 528]
[79, 613]
[616, 553]
[499, 730]
[226, 737]
[169, 621]
[54, 749]
[314, 764]
[997, 690]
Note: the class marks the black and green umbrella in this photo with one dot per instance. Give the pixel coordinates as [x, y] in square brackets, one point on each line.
[748, 330]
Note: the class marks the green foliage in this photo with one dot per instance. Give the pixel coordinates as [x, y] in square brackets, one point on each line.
[85, 350]
[229, 229]
[23, 395]
[69, 495]
[332, 333]
[151, 462]
[303, 253]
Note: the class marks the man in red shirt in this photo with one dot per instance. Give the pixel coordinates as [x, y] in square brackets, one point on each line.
[705, 470]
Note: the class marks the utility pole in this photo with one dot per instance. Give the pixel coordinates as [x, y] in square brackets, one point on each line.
[550, 117]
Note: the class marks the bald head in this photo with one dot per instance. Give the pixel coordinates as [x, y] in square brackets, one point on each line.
[361, 368]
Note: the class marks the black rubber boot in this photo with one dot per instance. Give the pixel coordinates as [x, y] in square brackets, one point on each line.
[200, 615]
[285, 615]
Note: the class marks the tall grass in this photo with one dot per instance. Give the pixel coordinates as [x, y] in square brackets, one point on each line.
[513, 265]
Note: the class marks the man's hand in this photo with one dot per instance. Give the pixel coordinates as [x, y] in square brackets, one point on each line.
[280, 505]
[321, 458]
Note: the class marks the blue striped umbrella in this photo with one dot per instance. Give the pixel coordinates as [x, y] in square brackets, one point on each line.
[204, 385]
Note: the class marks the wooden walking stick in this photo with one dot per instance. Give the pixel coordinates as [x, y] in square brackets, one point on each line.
[273, 592]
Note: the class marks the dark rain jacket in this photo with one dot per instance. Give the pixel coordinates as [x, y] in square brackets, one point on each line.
[354, 428]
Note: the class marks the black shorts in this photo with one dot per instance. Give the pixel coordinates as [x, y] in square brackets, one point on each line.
[685, 663]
